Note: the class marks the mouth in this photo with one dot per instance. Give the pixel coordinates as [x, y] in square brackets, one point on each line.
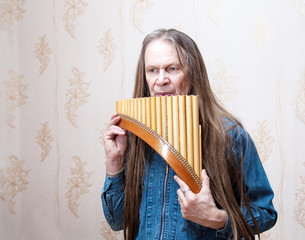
[164, 94]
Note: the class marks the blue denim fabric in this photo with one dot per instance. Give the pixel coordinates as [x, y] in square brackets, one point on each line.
[160, 215]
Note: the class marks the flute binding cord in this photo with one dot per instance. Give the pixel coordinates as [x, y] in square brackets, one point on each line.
[164, 148]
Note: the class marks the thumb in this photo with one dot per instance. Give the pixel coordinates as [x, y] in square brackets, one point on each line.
[205, 180]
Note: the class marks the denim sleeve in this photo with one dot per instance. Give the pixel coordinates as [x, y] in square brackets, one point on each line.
[113, 201]
[257, 185]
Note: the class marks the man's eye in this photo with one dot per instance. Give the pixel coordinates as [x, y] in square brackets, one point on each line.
[171, 69]
[152, 70]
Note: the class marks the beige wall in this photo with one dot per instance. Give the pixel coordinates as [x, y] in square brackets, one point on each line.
[63, 64]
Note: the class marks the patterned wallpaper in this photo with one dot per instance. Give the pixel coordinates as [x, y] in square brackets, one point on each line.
[63, 64]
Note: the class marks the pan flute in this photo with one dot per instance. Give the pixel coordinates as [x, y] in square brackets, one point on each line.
[170, 125]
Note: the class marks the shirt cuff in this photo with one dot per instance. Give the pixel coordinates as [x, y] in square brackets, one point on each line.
[116, 183]
[225, 232]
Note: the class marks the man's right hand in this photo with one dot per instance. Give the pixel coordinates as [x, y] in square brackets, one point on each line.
[115, 142]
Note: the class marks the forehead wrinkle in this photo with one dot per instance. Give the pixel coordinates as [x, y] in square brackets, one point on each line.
[157, 57]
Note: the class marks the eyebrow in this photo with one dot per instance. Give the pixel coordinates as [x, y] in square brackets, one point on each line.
[169, 64]
[148, 66]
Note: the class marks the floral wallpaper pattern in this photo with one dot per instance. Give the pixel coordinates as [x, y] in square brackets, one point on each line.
[42, 53]
[263, 140]
[299, 209]
[223, 81]
[76, 95]
[13, 181]
[44, 138]
[299, 101]
[107, 233]
[63, 64]
[73, 10]
[11, 11]
[260, 34]
[106, 49]
[300, 6]
[16, 95]
[137, 10]
[78, 184]
[212, 9]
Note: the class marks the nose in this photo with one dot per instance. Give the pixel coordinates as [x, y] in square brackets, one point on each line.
[162, 78]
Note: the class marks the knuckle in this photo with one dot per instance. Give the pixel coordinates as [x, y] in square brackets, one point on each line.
[191, 200]
[186, 206]
[206, 178]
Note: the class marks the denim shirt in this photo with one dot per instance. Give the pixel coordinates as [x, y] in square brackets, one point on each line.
[160, 215]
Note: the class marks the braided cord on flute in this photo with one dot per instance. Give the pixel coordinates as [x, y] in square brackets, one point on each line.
[165, 144]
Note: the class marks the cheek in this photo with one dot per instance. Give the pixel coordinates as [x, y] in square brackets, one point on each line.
[148, 81]
[183, 87]
[150, 85]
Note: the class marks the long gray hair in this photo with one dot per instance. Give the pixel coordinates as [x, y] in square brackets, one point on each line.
[222, 168]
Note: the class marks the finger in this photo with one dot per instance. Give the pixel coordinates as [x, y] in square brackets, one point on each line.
[180, 195]
[179, 191]
[122, 141]
[184, 188]
[180, 182]
[113, 131]
[114, 120]
[205, 180]
[115, 128]
[205, 189]
[114, 116]
[183, 202]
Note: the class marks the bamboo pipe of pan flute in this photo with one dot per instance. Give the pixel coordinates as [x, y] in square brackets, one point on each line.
[175, 118]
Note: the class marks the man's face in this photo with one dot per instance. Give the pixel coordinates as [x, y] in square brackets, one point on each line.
[163, 71]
